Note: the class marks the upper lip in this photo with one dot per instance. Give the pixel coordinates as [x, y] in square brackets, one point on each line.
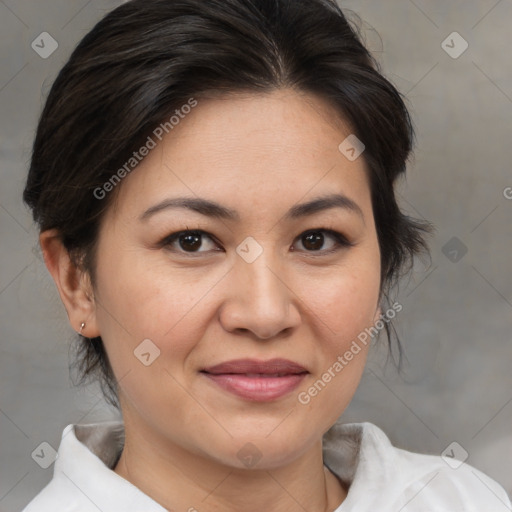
[243, 366]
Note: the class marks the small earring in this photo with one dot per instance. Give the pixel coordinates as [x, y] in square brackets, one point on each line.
[82, 325]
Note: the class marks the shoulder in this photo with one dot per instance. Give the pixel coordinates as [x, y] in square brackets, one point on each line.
[83, 478]
[448, 483]
[388, 478]
[60, 496]
[76, 467]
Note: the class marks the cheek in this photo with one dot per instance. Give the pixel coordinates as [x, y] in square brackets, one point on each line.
[346, 300]
[142, 299]
[344, 304]
[344, 308]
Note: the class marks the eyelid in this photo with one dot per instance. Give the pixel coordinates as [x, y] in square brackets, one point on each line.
[169, 239]
[331, 232]
[341, 241]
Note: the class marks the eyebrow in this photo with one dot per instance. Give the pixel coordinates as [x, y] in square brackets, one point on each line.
[215, 210]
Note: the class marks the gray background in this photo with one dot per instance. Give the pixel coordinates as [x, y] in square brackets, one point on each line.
[456, 321]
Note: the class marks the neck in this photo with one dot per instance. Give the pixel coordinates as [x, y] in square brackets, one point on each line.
[180, 480]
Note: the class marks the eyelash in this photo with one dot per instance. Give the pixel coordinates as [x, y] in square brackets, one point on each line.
[341, 241]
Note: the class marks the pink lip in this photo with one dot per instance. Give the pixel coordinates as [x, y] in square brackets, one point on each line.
[254, 380]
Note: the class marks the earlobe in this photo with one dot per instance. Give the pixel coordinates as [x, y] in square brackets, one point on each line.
[73, 284]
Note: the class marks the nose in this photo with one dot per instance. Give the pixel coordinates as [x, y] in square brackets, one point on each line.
[259, 299]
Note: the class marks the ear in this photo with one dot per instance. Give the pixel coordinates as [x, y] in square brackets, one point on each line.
[73, 284]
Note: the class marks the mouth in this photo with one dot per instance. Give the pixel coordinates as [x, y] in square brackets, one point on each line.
[254, 380]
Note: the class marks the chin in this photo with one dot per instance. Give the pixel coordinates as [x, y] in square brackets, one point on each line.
[251, 449]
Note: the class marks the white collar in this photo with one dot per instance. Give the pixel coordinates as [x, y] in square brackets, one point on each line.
[98, 445]
[85, 460]
[380, 476]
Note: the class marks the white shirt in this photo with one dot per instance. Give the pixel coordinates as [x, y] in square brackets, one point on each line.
[381, 478]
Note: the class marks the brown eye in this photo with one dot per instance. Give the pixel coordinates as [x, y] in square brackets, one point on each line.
[314, 240]
[188, 242]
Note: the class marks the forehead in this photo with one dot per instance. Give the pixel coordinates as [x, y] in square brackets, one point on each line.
[261, 147]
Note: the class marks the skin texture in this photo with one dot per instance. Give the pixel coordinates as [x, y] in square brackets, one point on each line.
[259, 155]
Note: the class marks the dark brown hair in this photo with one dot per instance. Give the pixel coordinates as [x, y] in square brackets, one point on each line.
[147, 58]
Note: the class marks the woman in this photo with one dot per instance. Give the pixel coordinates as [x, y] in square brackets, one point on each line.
[213, 182]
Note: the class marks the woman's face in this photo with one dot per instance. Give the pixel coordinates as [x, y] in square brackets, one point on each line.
[255, 285]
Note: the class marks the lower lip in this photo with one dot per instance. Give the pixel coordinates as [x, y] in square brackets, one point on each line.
[259, 389]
